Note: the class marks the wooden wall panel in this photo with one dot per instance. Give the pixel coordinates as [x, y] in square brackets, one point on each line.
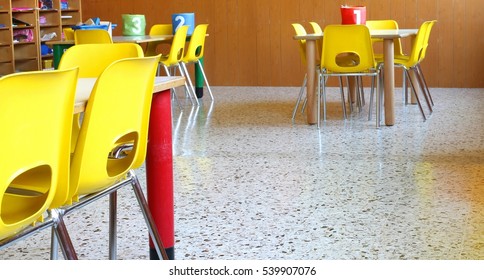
[459, 45]
[250, 41]
[218, 44]
[233, 52]
[427, 10]
[444, 44]
[247, 43]
[474, 50]
[263, 49]
[288, 69]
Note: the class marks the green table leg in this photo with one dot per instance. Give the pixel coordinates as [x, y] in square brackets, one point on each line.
[199, 80]
[58, 51]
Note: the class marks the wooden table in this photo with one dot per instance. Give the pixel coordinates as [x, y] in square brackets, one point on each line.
[159, 155]
[388, 35]
[60, 46]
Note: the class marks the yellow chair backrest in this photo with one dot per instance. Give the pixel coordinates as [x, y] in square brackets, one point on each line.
[35, 119]
[117, 111]
[430, 24]
[385, 24]
[419, 45]
[299, 29]
[177, 49]
[68, 33]
[317, 29]
[347, 41]
[92, 59]
[196, 46]
[92, 36]
[382, 24]
[158, 29]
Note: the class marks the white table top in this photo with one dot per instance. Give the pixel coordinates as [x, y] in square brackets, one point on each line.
[141, 39]
[123, 39]
[85, 85]
[381, 33]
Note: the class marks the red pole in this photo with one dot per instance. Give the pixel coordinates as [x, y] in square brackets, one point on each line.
[159, 172]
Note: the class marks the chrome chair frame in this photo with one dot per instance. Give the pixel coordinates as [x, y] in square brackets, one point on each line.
[55, 221]
[88, 199]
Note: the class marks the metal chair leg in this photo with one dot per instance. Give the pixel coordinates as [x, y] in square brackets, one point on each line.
[318, 96]
[343, 101]
[378, 102]
[190, 86]
[205, 79]
[372, 93]
[113, 210]
[416, 95]
[425, 83]
[62, 235]
[153, 230]
[299, 98]
[54, 246]
[173, 91]
[425, 90]
[188, 89]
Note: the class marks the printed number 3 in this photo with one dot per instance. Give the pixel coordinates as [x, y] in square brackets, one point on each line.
[136, 25]
[182, 22]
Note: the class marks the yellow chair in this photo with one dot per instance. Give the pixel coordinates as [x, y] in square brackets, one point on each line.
[103, 55]
[174, 58]
[299, 29]
[347, 41]
[385, 24]
[35, 119]
[158, 29]
[397, 45]
[195, 52]
[412, 63]
[317, 30]
[68, 33]
[92, 59]
[118, 110]
[316, 27]
[417, 67]
[92, 36]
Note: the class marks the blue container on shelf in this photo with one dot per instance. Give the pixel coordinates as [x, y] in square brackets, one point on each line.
[64, 5]
[178, 20]
[87, 27]
[100, 26]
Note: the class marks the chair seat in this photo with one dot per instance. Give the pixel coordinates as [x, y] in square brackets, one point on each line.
[164, 58]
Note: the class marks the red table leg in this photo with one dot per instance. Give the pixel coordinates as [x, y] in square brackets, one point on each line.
[159, 172]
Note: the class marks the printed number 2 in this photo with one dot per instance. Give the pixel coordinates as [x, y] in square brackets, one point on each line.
[136, 25]
[182, 22]
[358, 16]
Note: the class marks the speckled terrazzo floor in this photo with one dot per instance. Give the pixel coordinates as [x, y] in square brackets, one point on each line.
[249, 184]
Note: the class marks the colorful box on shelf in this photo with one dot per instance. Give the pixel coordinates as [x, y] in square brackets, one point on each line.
[95, 23]
[64, 5]
[45, 4]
